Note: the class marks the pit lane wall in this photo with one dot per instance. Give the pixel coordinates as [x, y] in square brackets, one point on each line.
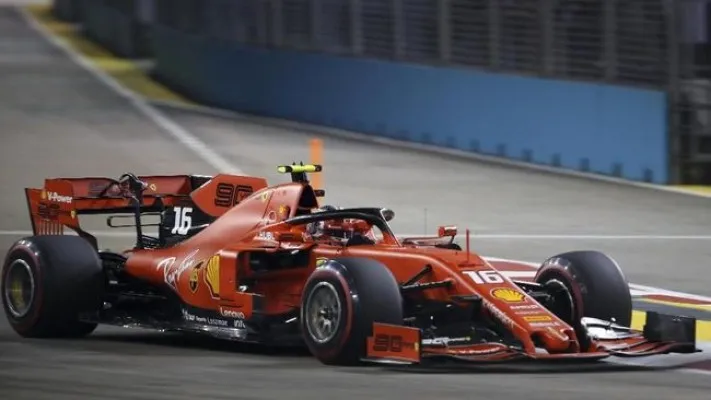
[582, 126]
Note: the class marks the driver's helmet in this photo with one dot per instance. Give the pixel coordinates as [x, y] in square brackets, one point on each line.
[318, 229]
[333, 229]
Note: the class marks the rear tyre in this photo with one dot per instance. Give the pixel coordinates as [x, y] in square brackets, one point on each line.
[47, 282]
[596, 283]
[341, 301]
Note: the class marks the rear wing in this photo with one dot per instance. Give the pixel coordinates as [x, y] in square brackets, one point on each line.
[60, 202]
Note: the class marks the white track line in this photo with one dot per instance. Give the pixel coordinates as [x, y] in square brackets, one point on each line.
[657, 291]
[189, 140]
[635, 289]
[341, 133]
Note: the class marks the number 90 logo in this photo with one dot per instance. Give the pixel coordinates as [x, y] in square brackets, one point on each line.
[228, 195]
[391, 343]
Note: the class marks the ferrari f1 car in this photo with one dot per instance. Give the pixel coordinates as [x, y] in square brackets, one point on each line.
[241, 260]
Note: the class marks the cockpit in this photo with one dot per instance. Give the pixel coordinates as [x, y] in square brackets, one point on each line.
[332, 224]
[346, 231]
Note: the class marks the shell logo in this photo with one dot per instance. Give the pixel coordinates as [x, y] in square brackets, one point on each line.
[44, 194]
[320, 261]
[508, 295]
[212, 276]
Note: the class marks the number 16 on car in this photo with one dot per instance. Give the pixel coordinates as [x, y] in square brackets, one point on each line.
[183, 220]
[485, 277]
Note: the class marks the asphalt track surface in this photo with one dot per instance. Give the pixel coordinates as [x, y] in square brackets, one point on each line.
[57, 120]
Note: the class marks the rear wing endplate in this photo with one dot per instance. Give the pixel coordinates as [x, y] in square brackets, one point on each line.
[52, 208]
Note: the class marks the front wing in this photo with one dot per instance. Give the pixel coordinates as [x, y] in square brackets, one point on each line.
[662, 334]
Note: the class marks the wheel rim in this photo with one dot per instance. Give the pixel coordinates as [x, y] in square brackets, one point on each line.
[323, 312]
[19, 288]
[564, 305]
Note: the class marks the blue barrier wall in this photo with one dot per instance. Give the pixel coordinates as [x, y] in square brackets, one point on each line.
[605, 129]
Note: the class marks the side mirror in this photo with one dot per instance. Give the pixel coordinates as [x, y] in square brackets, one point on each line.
[446, 231]
[388, 214]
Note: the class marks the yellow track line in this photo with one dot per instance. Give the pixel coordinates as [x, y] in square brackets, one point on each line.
[124, 71]
[695, 188]
[700, 307]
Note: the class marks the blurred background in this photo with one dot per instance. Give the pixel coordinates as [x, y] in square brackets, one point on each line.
[615, 87]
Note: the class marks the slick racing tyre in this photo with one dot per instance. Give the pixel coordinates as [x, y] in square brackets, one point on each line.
[47, 281]
[596, 286]
[341, 301]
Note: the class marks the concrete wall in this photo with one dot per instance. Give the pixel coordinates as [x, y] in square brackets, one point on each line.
[605, 129]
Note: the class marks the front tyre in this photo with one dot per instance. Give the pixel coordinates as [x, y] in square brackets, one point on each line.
[341, 301]
[47, 282]
[597, 286]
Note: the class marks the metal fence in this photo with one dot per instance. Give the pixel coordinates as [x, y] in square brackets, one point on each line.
[689, 92]
[616, 41]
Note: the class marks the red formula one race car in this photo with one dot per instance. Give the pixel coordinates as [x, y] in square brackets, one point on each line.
[240, 260]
